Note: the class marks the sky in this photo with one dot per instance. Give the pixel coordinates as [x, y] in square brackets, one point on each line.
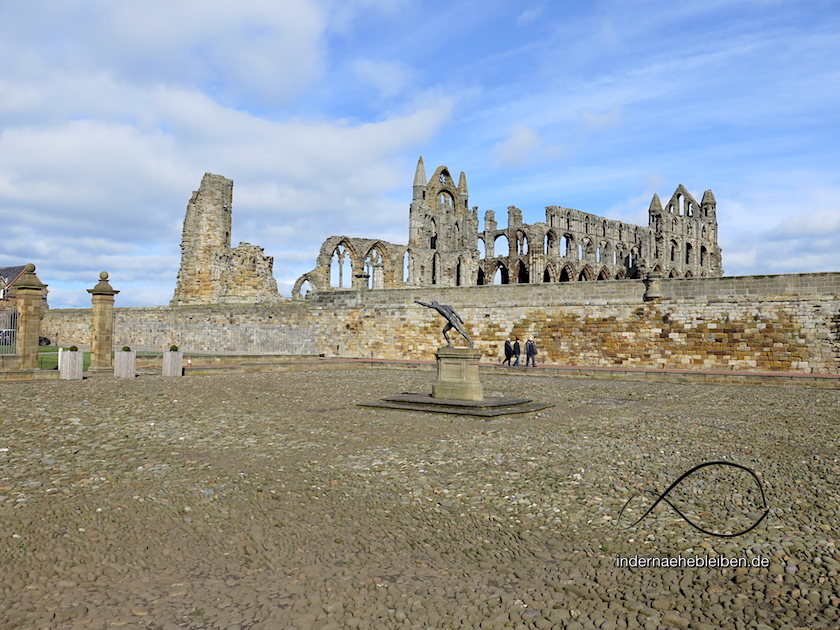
[111, 112]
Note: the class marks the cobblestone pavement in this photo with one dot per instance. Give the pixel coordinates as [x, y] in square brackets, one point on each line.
[272, 501]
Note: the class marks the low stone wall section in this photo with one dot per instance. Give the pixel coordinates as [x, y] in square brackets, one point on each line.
[756, 323]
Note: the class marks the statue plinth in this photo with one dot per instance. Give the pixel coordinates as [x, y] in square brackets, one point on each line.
[457, 374]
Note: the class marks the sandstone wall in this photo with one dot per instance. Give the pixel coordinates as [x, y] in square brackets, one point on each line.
[758, 323]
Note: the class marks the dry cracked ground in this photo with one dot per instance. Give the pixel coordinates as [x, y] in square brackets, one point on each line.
[273, 501]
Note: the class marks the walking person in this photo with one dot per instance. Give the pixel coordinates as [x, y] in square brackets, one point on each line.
[530, 353]
[516, 352]
[508, 352]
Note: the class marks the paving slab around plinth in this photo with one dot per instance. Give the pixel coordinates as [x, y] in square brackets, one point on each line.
[490, 407]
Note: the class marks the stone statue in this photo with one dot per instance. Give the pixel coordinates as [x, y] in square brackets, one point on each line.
[453, 321]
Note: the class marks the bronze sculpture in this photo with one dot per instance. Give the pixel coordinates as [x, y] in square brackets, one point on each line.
[453, 321]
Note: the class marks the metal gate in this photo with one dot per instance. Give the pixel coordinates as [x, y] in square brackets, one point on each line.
[8, 331]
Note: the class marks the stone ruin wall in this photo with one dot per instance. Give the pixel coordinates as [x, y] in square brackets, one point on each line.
[784, 323]
[681, 241]
[213, 272]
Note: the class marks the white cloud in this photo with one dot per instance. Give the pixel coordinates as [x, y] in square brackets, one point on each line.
[517, 148]
[388, 78]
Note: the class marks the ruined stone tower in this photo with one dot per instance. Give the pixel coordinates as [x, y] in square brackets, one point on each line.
[213, 272]
[442, 230]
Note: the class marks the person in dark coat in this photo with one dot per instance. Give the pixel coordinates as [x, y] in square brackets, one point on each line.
[530, 353]
[517, 351]
[508, 351]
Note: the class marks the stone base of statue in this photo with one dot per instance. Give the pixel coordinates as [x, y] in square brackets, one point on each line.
[457, 390]
[457, 374]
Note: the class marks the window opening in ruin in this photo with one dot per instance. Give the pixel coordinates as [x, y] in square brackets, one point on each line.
[565, 276]
[546, 275]
[688, 251]
[504, 250]
[341, 268]
[584, 275]
[501, 276]
[580, 251]
[565, 245]
[681, 202]
[433, 236]
[406, 267]
[550, 244]
[481, 251]
[305, 288]
[703, 254]
[435, 262]
[597, 254]
[568, 222]
[604, 275]
[458, 271]
[604, 229]
[523, 277]
[521, 243]
[673, 251]
[445, 201]
[480, 279]
[374, 269]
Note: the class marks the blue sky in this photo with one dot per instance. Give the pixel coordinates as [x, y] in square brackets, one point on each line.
[111, 112]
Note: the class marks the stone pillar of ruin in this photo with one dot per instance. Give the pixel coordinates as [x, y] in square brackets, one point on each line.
[30, 303]
[102, 298]
[653, 287]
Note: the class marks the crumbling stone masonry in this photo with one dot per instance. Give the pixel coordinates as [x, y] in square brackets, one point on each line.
[446, 248]
[213, 272]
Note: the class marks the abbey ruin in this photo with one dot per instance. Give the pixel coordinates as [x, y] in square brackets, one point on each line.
[593, 292]
[213, 272]
[446, 248]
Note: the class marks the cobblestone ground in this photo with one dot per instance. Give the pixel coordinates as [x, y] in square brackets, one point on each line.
[272, 501]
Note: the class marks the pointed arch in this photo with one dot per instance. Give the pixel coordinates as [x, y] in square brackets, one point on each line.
[549, 273]
[374, 266]
[505, 244]
[482, 251]
[306, 283]
[567, 245]
[522, 274]
[522, 246]
[586, 274]
[343, 263]
[604, 274]
[500, 274]
[480, 280]
[567, 274]
[551, 243]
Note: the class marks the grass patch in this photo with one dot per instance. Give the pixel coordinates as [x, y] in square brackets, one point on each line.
[48, 359]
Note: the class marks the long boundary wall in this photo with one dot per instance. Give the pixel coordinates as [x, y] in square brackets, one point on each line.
[755, 323]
